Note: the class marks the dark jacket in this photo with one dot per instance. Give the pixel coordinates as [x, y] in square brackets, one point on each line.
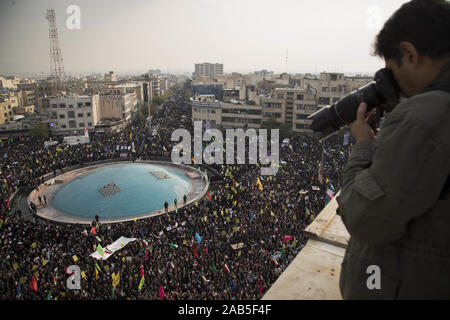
[395, 202]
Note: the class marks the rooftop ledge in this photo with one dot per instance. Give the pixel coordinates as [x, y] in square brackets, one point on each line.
[314, 273]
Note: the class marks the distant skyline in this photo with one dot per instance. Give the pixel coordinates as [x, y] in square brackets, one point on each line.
[172, 35]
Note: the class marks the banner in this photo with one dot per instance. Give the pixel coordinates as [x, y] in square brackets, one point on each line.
[113, 247]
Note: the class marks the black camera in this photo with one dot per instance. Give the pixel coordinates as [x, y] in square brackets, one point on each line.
[383, 93]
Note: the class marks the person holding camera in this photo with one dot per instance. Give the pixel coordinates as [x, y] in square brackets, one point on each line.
[395, 199]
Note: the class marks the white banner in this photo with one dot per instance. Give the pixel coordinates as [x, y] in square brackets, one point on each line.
[113, 247]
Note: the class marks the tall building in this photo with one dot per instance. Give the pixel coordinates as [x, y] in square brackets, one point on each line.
[207, 69]
[73, 112]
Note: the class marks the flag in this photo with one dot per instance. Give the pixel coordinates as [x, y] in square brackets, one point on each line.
[307, 211]
[86, 132]
[100, 250]
[141, 270]
[98, 268]
[176, 209]
[209, 196]
[146, 255]
[330, 194]
[226, 268]
[18, 288]
[271, 213]
[112, 292]
[174, 246]
[199, 239]
[49, 295]
[161, 292]
[274, 261]
[93, 230]
[287, 238]
[96, 274]
[258, 182]
[115, 279]
[141, 283]
[195, 252]
[260, 286]
[33, 284]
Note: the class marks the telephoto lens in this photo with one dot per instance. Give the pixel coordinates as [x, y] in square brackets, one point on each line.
[383, 92]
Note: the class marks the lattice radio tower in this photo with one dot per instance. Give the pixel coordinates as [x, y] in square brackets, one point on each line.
[56, 60]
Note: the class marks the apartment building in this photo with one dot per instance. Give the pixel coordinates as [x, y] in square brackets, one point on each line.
[207, 69]
[290, 106]
[7, 105]
[206, 108]
[238, 115]
[331, 87]
[72, 113]
[118, 103]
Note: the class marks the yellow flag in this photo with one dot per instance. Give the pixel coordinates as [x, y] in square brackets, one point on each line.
[83, 275]
[115, 279]
[258, 182]
[271, 213]
[75, 258]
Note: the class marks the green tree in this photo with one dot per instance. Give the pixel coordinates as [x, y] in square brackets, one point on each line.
[40, 130]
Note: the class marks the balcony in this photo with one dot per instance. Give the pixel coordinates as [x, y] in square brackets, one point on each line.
[314, 273]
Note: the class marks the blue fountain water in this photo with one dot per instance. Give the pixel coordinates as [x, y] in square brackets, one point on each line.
[140, 191]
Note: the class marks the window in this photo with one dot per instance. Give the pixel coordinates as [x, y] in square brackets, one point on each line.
[333, 77]
[88, 114]
[72, 124]
[324, 100]
[336, 100]
[63, 126]
[290, 93]
[70, 105]
[299, 97]
[80, 104]
[89, 124]
[81, 124]
[324, 89]
[80, 115]
[333, 89]
[70, 114]
[300, 107]
[301, 116]
[280, 96]
[62, 105]
[62, 116]
[87, 104]
[54, 105]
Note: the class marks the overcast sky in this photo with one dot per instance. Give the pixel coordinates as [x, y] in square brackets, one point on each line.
[172, 35]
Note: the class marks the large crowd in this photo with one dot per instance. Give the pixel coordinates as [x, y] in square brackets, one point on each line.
[248, 230]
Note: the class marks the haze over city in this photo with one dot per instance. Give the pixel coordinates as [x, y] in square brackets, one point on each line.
[137, 35]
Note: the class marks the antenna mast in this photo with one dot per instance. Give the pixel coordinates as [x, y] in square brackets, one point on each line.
[56, 60]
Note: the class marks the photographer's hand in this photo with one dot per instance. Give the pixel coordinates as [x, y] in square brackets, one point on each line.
[360, 128]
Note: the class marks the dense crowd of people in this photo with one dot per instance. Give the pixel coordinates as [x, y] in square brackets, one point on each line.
[233, 244]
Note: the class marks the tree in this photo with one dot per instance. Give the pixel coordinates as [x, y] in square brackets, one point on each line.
[40, 130]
